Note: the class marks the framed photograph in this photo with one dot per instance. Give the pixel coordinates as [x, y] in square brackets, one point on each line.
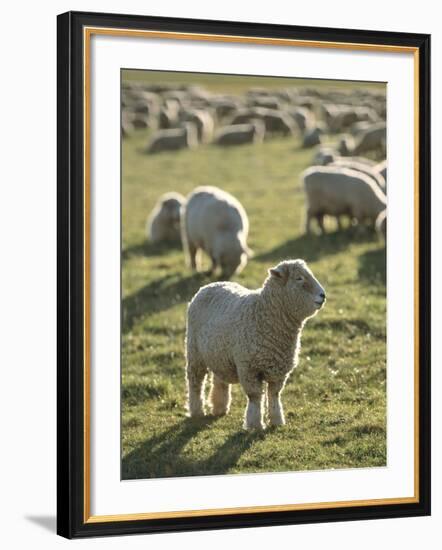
[223, 194]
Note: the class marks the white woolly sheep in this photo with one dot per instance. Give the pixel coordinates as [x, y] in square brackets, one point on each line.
[216, 222]
[203, 121]
[336, 191]
[346, 162]
[174, 139]
[304, 118]
[163, 223]
[240, 134]
[250, 337]
[278, 122]
[372, 139]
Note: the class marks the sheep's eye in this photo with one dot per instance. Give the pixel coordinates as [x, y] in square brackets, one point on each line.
[299, 279]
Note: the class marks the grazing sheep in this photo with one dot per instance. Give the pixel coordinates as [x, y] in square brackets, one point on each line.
[346, 162]
[371, 139]
[249, 337]
[163, 223]
[381, 225]
[225, 106]
[168, 117]
[240, 134]
[312, 137]
[216, 222]
[277, 122]
[203, 121]
[174, 139]
[304, 118]
[336, 191]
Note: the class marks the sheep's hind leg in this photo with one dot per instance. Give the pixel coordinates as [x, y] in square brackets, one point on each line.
[192, 251]
[276, 412]
[320, 220]
[220, 396]
[196, 380]
[308, 222]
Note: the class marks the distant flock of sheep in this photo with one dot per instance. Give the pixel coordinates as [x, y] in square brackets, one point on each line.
[186, 116]
[252, 337]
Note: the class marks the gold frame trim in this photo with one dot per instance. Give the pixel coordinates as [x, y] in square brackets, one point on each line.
[87, 34]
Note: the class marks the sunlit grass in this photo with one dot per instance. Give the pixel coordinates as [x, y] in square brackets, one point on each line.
[335, 401]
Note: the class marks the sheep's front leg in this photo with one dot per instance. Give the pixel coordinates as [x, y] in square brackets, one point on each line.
[254, 411]
[276, 412]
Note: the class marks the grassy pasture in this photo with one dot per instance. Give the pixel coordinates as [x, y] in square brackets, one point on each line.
[335, 401]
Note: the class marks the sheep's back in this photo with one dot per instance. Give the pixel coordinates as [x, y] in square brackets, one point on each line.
[335, 190]
[216, 311]
[209, 211]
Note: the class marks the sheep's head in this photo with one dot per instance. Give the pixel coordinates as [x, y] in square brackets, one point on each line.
[303, 296]
[232, 256]
[171, 208]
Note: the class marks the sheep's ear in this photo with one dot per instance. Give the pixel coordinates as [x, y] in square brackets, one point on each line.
[280, 273]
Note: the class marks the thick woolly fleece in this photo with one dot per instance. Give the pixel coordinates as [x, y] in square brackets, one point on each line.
[338, 191]
[249, 337]
[216, 222]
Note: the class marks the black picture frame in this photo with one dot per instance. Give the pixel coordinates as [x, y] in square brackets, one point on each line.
[71, 518]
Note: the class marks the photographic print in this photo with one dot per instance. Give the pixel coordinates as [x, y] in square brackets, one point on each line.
[262, 203]
[241, 342]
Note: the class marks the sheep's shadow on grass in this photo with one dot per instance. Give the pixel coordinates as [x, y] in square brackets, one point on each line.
[159, 295]
[161, 455]
[313, 247]
[373, 266]
[148, 249]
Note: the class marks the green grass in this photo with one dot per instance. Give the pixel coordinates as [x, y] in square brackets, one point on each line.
[237, 84]
[335, 401]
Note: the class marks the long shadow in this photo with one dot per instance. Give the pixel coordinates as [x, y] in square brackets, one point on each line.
[312, 247]
[226, 456]
[159, 295]
[148, 249]
[373, 266]
[160, 456]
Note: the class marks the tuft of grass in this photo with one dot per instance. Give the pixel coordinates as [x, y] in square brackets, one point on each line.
[335, 401]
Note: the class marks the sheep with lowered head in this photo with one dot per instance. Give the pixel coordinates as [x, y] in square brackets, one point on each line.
[216, 222]
[337, 191]
[173, 139]
[163, 223]
[240, 134]
[249, 337]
